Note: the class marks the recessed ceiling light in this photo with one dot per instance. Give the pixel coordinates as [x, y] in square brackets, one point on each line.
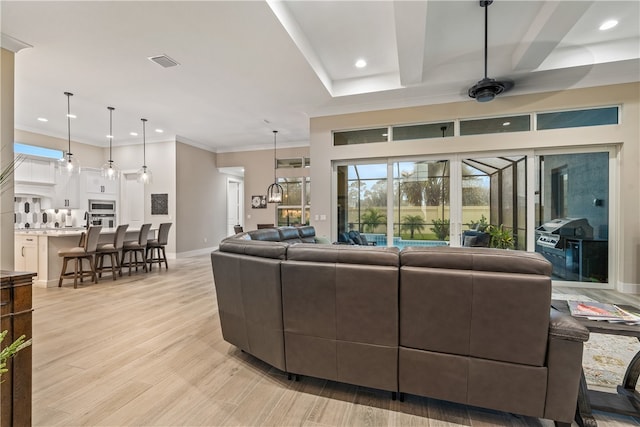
[110, 136]
[607, 25]
[42, 119]
[506, 123]
[133, 133]
[159, 130]
[72, 116]
[361, 63]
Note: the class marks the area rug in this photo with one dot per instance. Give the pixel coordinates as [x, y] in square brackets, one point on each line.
[606, 357]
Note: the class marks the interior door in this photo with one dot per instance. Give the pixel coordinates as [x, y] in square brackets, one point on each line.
[234, 205]
[132, 201]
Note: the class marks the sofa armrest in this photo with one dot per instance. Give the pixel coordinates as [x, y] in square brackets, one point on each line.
[566, 327]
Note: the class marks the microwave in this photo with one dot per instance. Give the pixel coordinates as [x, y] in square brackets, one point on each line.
[102, 206]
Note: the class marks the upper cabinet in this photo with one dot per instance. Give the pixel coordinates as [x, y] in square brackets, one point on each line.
[35, 171]
[95, 186]
[67, 194]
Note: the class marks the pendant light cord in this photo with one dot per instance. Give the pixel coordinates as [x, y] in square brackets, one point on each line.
[144, 143]
[110, 132]
[275, 160]
[69, 95]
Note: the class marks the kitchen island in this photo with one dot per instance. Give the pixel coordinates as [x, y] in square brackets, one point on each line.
[46, 242]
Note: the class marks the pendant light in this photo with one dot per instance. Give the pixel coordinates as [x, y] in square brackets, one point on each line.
[109, 169]
[69, 165]
[275, 191]
[144, 173]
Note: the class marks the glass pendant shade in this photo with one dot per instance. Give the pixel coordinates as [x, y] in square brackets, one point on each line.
[274, 191]
[68, 165]
[109, 170]
[144, 173]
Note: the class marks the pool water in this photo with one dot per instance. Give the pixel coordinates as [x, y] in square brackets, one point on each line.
[381, 240]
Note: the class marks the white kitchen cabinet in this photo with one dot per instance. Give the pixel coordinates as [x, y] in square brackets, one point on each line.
[26, 253]
[98, 187]
[36, 171]
[67, 193]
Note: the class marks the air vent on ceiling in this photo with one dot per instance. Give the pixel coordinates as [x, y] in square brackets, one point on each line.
[164, 61]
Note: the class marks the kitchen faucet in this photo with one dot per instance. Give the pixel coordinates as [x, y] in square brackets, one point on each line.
[86, 217]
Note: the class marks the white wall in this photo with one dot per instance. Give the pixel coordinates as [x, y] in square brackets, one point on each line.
[625, 136]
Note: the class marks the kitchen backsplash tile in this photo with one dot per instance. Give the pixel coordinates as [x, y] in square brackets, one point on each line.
[29, 214]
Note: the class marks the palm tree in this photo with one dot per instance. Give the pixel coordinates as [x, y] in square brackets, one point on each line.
[371, 219]
[413, 223]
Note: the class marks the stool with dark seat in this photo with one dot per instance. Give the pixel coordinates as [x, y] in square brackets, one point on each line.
[86, 249]
[112, 250]
[158, 245]
[134, 247]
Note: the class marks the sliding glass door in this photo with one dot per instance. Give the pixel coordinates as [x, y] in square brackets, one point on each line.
[556, 204]
[572, 215]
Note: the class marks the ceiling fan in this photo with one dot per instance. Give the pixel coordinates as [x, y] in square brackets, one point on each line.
[487, 89]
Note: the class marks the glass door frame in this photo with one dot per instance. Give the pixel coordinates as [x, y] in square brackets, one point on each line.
[455, 196]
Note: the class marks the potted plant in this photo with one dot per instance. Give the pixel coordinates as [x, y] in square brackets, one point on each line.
[501, 237]
[11, 350]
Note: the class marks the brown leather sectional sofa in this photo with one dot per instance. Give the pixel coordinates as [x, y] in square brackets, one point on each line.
[468, 325]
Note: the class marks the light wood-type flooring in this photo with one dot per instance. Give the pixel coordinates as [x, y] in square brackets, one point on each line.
[147, 350]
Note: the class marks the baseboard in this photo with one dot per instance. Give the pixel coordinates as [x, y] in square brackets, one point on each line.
[628, 288]
[196, 252]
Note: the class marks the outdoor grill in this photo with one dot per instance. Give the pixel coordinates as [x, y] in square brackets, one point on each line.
[562, 241]
[552, 234]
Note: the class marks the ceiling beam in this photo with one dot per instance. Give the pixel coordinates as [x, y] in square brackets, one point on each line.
[554, 20]
[411, 27]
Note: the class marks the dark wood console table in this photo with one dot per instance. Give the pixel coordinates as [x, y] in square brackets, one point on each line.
[627, 400]
[15, 317]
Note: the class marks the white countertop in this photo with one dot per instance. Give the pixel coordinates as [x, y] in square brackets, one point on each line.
[63, 232]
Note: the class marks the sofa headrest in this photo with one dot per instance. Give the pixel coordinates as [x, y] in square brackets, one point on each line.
[264, 249]
[479, 259]
[289, 234]
[265, 234]
[369, 255]
[307, 233]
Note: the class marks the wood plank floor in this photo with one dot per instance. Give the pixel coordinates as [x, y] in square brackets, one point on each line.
[147, 350]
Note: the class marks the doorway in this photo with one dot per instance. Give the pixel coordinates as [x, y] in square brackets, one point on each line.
[132, 206]
[235, 207]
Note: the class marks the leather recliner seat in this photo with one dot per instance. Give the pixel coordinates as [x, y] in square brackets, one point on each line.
[468, 325]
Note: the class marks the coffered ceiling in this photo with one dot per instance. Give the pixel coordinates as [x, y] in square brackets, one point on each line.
[248, 67]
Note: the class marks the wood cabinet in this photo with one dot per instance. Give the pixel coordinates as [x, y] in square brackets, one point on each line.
[26, 253]
[15, 317]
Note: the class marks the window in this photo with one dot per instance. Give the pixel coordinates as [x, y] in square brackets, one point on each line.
[578, 118]
[361, 136]
[295, 208]
[433, 130]
[33, 150]
[495, 125]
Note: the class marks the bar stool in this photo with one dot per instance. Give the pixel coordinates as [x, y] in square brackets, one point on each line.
[86, 250]
[158, 245]
[112, 250]
[134, 247]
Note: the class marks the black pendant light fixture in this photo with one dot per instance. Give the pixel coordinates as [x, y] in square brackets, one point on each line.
[69, 165]
[109, 169]
[144, 173]
[275, 191]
